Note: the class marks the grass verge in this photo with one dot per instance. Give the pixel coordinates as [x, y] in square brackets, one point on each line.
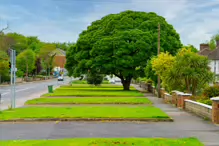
[123, 112]
[90, 100]
[107, 142]
[95, 89]
[85, 82]
[92, 86]
[63, 92]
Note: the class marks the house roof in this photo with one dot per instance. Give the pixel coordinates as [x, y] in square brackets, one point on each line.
[205, 52]
[58, 52]
[214, 55]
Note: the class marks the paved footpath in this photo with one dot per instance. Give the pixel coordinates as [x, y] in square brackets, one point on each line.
[185, 125]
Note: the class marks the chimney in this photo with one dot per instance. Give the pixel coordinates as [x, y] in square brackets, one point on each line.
[203, 46]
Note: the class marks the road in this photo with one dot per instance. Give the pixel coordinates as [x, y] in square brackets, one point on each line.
[26, 91]
[185, 125]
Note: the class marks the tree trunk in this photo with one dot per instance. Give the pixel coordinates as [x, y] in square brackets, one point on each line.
[126, 84]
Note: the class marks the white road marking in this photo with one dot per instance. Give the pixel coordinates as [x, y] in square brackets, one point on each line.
[18, 90]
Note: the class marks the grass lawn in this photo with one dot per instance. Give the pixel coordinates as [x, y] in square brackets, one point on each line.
[91, 86]
[85, 82]
[65, 92]
[96, 89]
[143, 112]
[106, 142]
[90, 100]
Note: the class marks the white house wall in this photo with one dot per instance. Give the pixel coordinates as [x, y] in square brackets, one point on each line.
[211, 65]
[214, 65]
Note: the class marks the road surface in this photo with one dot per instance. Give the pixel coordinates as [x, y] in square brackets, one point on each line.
[26, 91]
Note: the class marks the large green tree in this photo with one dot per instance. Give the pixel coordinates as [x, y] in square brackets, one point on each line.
[26, 61]
[46, 55]
[4, 66]
[20, 42]
[121, 44]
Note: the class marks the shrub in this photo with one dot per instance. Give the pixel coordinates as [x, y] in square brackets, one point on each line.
[5, 78]
[94, 79]
[211, 91]
[149, 81]
[20, 73]
[205, 101]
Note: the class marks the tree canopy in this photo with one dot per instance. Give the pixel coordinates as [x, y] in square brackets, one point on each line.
[185, 71]
[121, 44]
[26, 61]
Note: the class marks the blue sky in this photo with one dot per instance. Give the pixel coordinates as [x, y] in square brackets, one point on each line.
[62, 20]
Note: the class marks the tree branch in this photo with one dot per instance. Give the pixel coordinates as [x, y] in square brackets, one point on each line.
[3, 29]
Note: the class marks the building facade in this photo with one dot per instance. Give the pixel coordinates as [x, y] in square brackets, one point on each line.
[213, 56]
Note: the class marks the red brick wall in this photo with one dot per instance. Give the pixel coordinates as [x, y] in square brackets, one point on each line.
[60, 61]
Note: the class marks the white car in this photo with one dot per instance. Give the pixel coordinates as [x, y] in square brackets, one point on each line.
[60, 78]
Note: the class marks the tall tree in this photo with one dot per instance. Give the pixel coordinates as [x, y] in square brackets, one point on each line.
[20, 43]
[26, 61]
[4, 66]
[212, 42]
[34, 44]
[121, 44]
[46, 54]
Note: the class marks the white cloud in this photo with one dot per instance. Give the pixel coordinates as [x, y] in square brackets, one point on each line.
[196, 21]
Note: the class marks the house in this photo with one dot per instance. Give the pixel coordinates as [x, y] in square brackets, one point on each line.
[59, 61]
[60, 58]
[213, 55]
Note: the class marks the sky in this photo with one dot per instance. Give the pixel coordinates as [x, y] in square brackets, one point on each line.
[63, 20]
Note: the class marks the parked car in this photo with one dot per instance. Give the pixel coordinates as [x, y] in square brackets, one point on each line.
[60, 78]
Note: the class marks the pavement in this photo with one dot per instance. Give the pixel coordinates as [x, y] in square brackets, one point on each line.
[185, 125]
[27, 91]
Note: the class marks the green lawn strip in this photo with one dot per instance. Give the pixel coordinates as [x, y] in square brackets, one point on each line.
[90, 100]
[85, 82]
[95, 89]
[91, 86]
[106, 142]
[63, 92]
[124, 112]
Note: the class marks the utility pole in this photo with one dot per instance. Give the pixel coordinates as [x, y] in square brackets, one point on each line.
[13, 76]
[158, 52]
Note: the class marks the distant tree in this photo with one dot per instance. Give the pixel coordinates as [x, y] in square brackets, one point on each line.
[121, 44]
[26, 61]
[20, 42]
[212, 42]
[46, 55]
[4, 66]
[191, 47]
[34, 44]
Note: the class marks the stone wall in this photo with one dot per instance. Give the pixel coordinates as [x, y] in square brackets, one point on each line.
[182, 100]
[167, 98]
[199, 109]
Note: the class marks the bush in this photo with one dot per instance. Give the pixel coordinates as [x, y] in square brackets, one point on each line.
[205, 101]
[211, 91]
[79, 82]
[20, 73]
[149, 81]
[5, 78]
[94, 79]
